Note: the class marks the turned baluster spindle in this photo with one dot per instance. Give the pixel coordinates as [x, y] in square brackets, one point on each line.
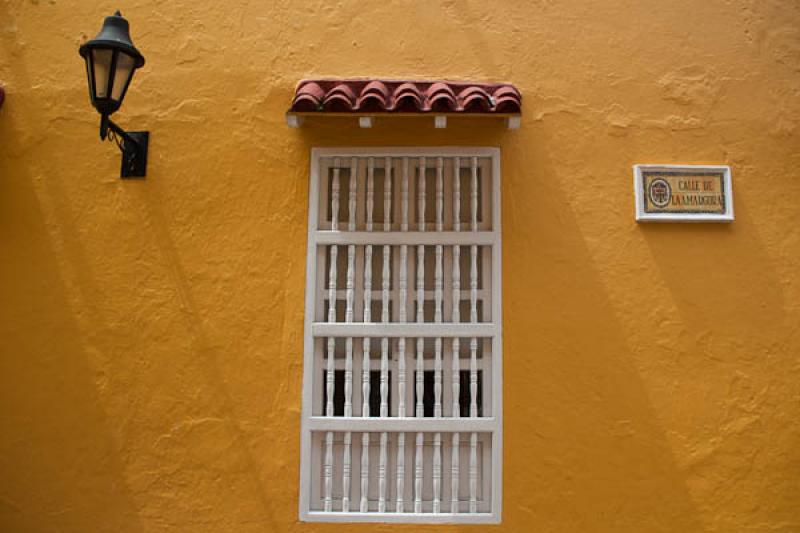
[330, 370]
[473, 368]
[349, 311]
[418, 466]
[455, 456]
[365, 367]
[401, 364]
[384, 372]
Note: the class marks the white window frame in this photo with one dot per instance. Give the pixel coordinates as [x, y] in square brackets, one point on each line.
[493, 330]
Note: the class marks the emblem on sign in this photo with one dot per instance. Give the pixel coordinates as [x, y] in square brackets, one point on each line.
[660, 192]
[683, 193]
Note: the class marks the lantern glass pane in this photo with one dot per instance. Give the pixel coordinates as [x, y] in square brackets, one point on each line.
[122, 75]
[102, 65]
[90, 74]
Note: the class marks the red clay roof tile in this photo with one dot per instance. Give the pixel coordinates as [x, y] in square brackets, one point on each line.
[374, 97]
[403, 96]
[340, 99]
[308, 97]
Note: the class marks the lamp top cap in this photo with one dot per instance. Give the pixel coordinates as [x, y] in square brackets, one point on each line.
[114, 34]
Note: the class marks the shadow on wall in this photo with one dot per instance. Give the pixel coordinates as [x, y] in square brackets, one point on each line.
[61, 464]
[59, 461]
[589, 453]
[694, 262]
[195, 452]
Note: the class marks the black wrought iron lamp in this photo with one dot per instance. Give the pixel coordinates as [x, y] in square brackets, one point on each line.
[111, 60]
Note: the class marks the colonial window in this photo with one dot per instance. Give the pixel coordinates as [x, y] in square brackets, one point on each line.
[402, 385]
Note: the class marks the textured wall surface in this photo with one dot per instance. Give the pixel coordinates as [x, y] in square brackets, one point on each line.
[151, 331]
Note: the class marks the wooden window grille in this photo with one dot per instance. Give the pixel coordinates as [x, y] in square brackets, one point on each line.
[402, 384]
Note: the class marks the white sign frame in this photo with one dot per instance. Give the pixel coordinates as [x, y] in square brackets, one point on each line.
[639, 192]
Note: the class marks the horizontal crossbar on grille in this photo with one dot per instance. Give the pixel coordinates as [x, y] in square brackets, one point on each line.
[411, 238]
[427, 518]
[408, 329]
[341, 423]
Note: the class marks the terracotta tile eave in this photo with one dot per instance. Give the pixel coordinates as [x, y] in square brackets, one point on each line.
[365, 96]
[401, 114]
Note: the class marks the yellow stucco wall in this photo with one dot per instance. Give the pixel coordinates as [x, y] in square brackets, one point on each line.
[151, 331]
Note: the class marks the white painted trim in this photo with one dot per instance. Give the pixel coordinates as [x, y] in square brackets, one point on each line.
[308, 340]
[489, 425]
[464, 238]
[294, 121]
[406, 424]
[404, 329]
[642, 216]
[497, 340]
[444, 151]
[403, 518]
